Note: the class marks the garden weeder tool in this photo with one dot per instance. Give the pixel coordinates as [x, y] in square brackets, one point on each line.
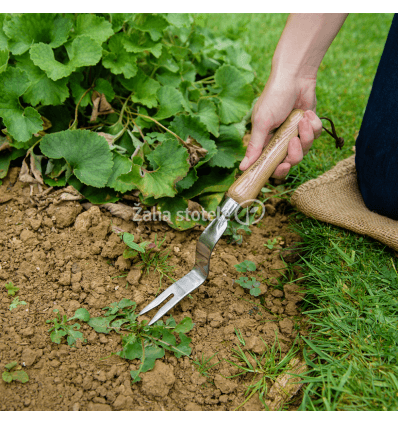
[241, 194]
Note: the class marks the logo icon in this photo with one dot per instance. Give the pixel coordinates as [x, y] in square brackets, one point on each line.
[246, 219]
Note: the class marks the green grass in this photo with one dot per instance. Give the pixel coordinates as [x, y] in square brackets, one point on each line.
[351, 286]
[352, 303]
[264, 368]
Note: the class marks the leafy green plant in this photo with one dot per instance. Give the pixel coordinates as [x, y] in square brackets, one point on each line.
[252, 284]
[245, 266]
[140, 341]
[237, 230]
[265, 368]
[203, 364]
[61, 329]
[133, 248]
[248, 283]
[15, 303]
[152, 259]
[12, 290]
[14, 373]
[110, 103]
[271, 243]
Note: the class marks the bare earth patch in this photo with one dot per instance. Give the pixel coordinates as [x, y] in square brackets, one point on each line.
[64, 257]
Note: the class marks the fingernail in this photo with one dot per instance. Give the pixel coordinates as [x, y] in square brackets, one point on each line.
[245, 162]
[310, 114]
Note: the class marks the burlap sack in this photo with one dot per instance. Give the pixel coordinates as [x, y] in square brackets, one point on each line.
[335, 198]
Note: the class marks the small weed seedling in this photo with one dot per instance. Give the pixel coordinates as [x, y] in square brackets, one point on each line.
[234, 227]
[266, 367]
[61, 329]
[133, 248]
[248, 283]
[151, 256]
[271, 243]
[139, 341]
[12, 290]
[245, 266]
[203, 365]
[14, 373]
[252, 284]
[15, 303]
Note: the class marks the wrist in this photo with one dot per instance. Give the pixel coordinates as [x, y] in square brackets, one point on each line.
[287, 68]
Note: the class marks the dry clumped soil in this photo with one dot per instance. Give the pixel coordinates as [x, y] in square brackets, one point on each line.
[64, 257]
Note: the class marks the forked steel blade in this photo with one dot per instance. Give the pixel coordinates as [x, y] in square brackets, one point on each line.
[200, 271]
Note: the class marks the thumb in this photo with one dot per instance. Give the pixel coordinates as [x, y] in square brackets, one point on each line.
[260, 136]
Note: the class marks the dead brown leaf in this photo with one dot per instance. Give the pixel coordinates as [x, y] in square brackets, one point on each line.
[100, 105]
[109, 138]
[43, 199]
[194, 206]
[4, 144]
[196, 152]
[35, 162]
[30, 173]
[46, 125]
[118, 210]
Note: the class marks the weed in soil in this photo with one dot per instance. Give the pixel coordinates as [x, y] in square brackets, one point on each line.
[61, 329]
[143, 342]
[252, 284]
[203, 365]
[12, 290]
[13, 373]
[15, 303]
[265, 367]
[152, 258]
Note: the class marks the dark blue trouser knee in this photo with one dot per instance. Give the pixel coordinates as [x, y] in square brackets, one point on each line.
[377, 142]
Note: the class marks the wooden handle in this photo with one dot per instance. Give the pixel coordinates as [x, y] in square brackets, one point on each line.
[248, 185]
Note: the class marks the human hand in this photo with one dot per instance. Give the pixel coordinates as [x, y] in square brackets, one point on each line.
[280, 96]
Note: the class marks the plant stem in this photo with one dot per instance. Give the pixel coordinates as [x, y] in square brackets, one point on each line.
[166, 343]
[208, 97]
[74, 124]
[158, 123]
[124, 107]
[210, 77]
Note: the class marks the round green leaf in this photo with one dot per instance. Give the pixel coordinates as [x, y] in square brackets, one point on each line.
[236, 95]
[87, 154]
[81, 314]
[170, 164]
[29, 28]
[83, 51]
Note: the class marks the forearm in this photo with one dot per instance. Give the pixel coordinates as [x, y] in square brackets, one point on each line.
[304, 42]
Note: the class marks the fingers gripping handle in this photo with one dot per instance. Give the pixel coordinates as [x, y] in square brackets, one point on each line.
[249, 184]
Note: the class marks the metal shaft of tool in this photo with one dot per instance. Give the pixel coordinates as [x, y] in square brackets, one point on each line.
[191, 281]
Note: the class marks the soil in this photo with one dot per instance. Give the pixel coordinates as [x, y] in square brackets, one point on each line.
[64, 257]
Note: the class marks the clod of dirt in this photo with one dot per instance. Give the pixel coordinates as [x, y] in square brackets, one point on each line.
[64, 215]
[286, 326]
[159, 380]
[89, 218]
[134, 276]
[255, 344]
[226, 386]
[114, 247]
